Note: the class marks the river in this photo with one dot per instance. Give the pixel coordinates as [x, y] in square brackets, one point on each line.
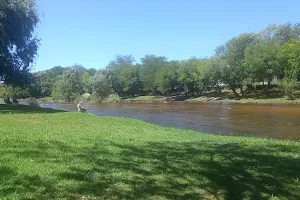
[278, 121]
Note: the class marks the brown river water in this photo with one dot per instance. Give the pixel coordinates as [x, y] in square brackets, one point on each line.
[278, 121]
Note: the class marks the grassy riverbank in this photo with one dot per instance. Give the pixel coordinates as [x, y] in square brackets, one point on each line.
[203, 99]
[145, 99]
[275, 96]
[162, 99]
[246, 100]
[117, 99]
[47, 154]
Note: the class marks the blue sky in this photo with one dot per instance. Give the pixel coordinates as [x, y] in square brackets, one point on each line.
[92, 32]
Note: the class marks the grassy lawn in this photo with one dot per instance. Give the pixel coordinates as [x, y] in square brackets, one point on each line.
[59, 155]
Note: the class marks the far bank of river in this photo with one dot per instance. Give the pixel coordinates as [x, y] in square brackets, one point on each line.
[203, 99]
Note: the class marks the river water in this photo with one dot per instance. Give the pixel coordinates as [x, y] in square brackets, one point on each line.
[279, 121]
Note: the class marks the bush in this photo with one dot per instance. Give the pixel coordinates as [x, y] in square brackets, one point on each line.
[34, 103]
[86, 97]
[289, 87]
[113, 98]
[96, 99]
[47, 98]
[7, 100]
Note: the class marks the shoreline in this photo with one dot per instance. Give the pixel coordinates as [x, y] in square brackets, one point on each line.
[198, 100]
[26, 109]
[35, 110]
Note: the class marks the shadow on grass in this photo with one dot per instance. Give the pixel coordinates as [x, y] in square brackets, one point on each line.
[161, 170]
[24, 109]
[19, 186]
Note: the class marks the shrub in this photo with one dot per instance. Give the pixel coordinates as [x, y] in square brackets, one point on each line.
[113, 98]
[34, 103]
[96, 99]
[86, 97]
[289, 87]
[7, 100]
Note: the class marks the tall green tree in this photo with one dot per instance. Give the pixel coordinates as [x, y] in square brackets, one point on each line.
[101, 84]
[125, 75]
[233, 54]
[289, 56]
[288, 31]
[86, 79]
[213, 73]
[12, 92]
[261, 59]
[282, 33]
[190, 74]
[121, 59]
[18, 45]
[151, 64]
[167, 78]
[46, 80]
[69, 85]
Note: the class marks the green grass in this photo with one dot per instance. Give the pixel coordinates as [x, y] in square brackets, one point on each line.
[19, 109]
[63, 155]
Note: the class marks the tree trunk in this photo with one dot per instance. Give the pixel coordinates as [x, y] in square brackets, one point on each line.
[15, 101]
[219, 90]
[267, 89]
[234, 92]
[250, 88]
[200, 92]
[186, 94]
[242, 90]
[7, 100]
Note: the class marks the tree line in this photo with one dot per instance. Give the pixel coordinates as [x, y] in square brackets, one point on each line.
[267, 58]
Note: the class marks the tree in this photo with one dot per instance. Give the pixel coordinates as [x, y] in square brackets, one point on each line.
[18, 46]
[261, 59]
[288, 31]
[86, 82]
[282, 33]
[151, 64]
[34, 88]
[269, 32]
[125, 75]
[91, 71]
[12, 92]
[121, 59]
[69, 85]
[101, 84]
[167, 78]
[289, 56]
[190, 74]
[213, 73]
[233, 54]
[46, 80]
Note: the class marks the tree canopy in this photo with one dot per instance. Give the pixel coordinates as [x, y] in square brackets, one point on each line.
[18, 45]
[268, 57]
[289, 56]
